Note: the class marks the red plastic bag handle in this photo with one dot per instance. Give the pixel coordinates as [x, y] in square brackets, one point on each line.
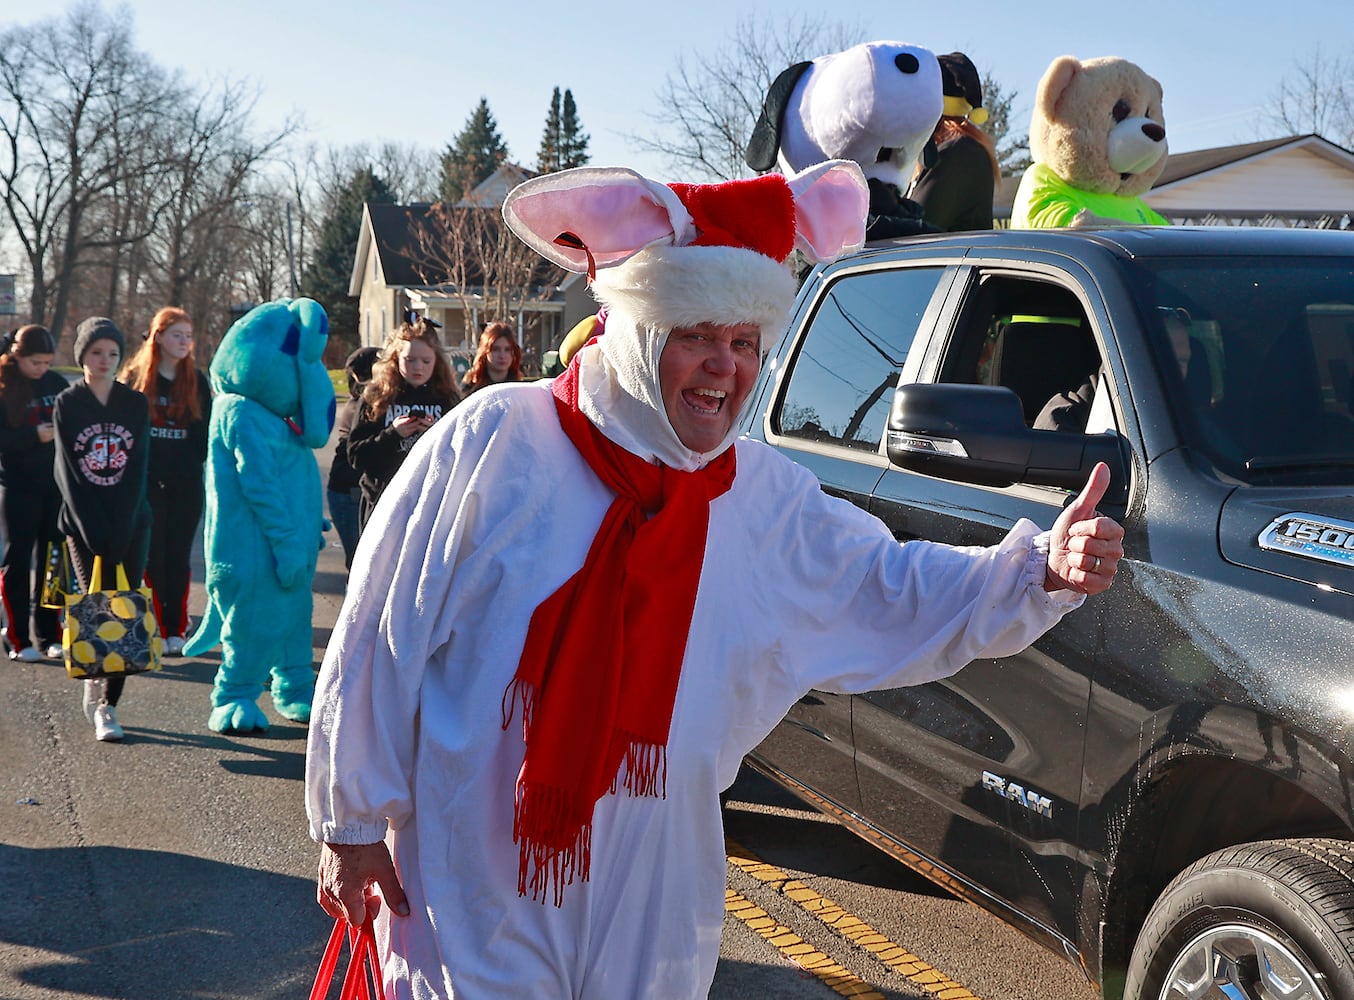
[328, 962]
[364, 964]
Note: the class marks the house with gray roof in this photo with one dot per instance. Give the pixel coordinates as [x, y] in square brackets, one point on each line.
[393, 275]
[1296, 181]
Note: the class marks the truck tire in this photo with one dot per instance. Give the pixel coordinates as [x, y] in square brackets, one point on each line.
[1279, 912]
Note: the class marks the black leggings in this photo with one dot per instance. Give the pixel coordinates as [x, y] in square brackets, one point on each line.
[30, 523]
[82, 562]
[175, 513]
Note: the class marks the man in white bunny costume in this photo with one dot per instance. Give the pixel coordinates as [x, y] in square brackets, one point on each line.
[581, 602]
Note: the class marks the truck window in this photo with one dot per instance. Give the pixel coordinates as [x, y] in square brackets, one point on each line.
[1264, 384]
[842, 377]
[1034, 338]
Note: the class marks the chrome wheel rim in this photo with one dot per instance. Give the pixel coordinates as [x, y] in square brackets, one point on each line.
[1235, 962]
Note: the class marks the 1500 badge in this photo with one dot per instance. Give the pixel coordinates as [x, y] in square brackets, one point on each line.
[1314, 537]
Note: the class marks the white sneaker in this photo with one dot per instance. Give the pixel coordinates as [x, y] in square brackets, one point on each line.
[55, 652]
[106, 728]
[93, 696]
[28, 654]
[174, 645]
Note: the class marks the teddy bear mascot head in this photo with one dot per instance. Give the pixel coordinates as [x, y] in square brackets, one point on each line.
[273, 406]
[875, 104]
[1098, 139]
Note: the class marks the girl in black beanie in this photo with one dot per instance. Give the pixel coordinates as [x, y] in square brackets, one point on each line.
[102, 448]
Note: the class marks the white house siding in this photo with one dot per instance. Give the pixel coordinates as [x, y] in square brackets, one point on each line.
[1284, 181]
[377, 303]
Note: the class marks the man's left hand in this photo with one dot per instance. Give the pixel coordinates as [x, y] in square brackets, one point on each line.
[347, 873]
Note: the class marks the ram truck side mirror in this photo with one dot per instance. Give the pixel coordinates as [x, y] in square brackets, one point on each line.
[977, 434]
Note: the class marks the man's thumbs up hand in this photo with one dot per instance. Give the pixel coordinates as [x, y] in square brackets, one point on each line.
[1085, 547]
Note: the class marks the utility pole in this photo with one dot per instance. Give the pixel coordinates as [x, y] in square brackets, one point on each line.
[291, 253]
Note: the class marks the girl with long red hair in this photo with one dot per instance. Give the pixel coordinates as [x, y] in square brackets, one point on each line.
[180, 408]
[498, 358]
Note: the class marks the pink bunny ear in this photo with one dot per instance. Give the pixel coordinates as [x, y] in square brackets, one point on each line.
[592, 217]
[832, 200]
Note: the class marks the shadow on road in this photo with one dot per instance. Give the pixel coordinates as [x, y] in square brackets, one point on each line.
[264, 762]
[146, 923]
[781, 823]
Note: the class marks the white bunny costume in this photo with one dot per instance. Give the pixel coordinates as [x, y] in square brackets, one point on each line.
[495, 508]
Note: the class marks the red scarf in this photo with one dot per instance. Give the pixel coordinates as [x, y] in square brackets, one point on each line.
[598, 675]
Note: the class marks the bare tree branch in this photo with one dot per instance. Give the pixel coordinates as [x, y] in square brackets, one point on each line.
[470, 254]
[1316, 97]
[708, 105]
[74, 100]
[124, 187]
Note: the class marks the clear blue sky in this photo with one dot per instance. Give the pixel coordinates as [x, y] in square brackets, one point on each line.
[413, 70]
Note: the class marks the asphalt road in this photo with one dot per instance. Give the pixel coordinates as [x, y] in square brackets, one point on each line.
[175, 865]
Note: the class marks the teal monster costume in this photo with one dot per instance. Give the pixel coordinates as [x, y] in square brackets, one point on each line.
[274, 405]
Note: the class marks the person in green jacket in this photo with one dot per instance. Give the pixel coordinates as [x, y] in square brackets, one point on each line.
[1098, 138]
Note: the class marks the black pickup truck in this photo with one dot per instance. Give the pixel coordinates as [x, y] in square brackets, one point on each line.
[1162, 787]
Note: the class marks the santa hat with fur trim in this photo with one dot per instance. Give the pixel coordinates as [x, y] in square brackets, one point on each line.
[678, 255]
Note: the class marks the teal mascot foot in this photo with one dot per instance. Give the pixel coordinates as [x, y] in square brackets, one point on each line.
[293, 691]
[237, 717]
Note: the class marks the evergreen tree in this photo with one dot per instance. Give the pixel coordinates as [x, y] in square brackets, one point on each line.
[474, 155]
[326, 279]
[563, 144]
[573, 141]
[1013, 147]
[547, 156]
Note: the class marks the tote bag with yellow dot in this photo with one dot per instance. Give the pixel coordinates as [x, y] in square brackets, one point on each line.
[110, 631]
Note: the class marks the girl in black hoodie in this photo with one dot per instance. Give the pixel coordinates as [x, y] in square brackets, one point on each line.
[180, 407]
[29, 501]
[412, 384]
[344, 489]
[102, 453]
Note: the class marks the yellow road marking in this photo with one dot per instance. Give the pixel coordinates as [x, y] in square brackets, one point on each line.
[789, 944]
[855, 930]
